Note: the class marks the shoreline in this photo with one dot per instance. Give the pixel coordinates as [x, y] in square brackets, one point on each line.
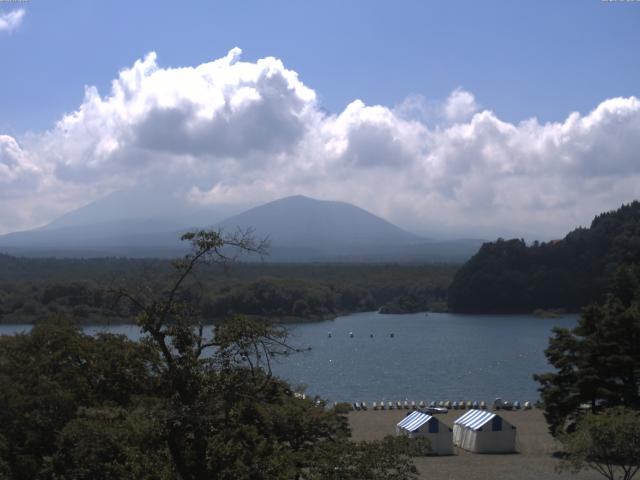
[287, 319]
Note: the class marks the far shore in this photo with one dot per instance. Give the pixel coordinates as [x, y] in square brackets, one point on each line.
[95, 321]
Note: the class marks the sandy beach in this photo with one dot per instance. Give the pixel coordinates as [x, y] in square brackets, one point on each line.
[533, 461]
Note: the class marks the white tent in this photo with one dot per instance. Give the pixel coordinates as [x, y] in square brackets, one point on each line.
[418, 424]
[484, 432]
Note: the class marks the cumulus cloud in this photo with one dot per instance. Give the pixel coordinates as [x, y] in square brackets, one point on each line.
[11, 20]
[234, 132]
[460, 106]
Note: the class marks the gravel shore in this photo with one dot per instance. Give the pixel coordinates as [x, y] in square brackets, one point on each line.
[533, 461]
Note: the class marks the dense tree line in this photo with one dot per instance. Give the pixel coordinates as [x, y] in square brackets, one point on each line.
[508, 276]
[418, 298]
[33, 289]
[283, 298]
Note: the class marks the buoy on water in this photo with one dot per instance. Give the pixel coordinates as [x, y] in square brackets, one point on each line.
[351, 334]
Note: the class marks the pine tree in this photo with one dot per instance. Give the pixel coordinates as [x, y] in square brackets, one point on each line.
[598, 362]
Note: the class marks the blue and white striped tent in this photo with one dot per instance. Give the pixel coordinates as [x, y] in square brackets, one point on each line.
[484, 432]
[418, 424]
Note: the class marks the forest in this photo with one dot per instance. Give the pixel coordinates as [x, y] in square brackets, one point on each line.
[179, 404]
[32, 289]
[509, 276]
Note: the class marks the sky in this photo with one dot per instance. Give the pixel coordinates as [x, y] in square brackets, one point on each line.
[467, 118]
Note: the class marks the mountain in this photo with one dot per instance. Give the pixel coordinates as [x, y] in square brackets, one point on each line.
[300, 220]
[300, 229]
[507, 276]
[141, 223]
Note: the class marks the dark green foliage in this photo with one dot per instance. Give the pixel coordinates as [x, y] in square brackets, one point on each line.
[288, 298]
[178, 404]
[49, 374]
[110, 443]
[598, 362]
[34, 289]
[416, 299]
[507, 276]
[78, 407]
[5, 469]
[608, 443]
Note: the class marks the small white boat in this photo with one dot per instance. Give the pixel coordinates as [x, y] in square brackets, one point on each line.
[461, 405]
[351, 334]
[447, 404]
[413, 405]
[421, 404]
[469, 404]
[390, 405]
[483, 405]
[374, 406]
[363, 405]
[406, 405]
[356, 406]
[527, 405]
[398, 405]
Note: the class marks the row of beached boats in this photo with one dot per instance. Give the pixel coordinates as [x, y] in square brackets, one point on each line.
[443, 406]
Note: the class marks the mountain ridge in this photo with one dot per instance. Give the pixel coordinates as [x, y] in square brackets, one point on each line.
[300, 219]
[509, 276]
[300, 228]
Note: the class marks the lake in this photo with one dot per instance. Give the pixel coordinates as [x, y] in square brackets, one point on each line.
[430, 357]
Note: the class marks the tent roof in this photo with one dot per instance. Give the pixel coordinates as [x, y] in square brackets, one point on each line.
[414, 421]
[475, 419]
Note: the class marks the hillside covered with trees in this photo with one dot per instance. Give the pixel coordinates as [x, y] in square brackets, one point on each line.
[509, 276]
[32, 289]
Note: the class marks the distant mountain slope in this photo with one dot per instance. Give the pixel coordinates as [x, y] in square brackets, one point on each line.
[509, 276]
[127, 207]
[144, 222]
[149, 223]
[302, 221]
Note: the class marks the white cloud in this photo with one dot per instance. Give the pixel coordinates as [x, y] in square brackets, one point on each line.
[460, 106]
[11, 21]
[233, 132]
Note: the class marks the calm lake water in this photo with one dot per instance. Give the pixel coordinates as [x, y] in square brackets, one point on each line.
[439, 356]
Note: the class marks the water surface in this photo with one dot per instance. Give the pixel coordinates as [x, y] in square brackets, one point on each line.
[434, 356]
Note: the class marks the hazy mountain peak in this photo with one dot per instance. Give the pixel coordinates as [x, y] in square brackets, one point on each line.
[300, 228]
[301, 220]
